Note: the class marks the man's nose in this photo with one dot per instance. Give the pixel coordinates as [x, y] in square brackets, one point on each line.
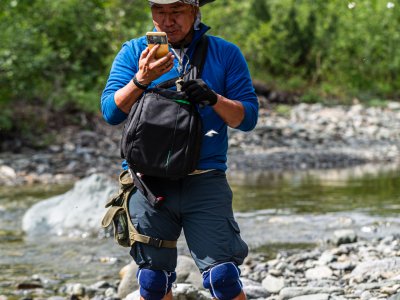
[168, 20]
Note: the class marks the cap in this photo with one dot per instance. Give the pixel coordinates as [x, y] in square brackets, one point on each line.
[164, 1]
[201, 2]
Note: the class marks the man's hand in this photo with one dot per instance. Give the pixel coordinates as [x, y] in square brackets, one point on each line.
[151, 68]
[199, 92]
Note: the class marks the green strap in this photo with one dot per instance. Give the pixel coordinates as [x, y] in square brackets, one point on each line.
[182, 101]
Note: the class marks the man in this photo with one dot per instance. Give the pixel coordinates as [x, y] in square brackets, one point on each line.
[201, 202]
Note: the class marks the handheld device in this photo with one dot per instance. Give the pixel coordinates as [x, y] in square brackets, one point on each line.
[154, 38]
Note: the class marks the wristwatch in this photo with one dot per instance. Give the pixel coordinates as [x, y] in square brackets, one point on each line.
[139, 85]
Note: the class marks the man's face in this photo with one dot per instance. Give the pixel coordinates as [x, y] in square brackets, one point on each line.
[176, 19]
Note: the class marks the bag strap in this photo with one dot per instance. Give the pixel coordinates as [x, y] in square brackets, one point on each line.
[135, 236]
[197, 64]
[139, 183]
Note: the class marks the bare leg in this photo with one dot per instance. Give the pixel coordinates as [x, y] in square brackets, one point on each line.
[169, 296]
[241, 296]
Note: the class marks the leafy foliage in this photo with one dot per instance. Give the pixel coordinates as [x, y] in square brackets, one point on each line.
[57, 53]
[335, 48]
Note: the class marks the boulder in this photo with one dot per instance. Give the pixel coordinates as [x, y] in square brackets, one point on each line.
[377, 268]
[78, 211]
[128, 282]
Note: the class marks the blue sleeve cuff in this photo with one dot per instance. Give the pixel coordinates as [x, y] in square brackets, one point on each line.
[111, 113]
[250, 117]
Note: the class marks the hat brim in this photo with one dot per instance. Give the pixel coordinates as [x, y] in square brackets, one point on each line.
[164, 1]
[201, 2]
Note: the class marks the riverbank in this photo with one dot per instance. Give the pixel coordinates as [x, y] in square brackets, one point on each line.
[299, 137]
[342, 268]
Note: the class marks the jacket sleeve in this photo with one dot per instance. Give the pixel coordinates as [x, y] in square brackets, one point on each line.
[122, 71]
[239, 86]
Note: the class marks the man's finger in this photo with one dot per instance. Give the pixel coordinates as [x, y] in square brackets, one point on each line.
[152, 53]
[144, 54]
[164, 60]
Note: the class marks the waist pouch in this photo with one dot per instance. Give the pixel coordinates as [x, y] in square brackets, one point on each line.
[118, 215]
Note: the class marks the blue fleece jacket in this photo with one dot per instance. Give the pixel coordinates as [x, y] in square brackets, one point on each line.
[225, 71]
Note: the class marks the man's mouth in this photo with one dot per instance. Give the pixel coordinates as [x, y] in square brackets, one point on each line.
[172, 32]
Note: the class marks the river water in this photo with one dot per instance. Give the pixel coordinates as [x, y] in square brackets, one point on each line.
[275, 210]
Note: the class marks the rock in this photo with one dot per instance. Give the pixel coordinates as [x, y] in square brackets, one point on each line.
[312, 297]
[344, 237]
[123, 271]
[29, 285]
[7, 175]
[377, 267]
[318, 273]
[291, 292]
[129, 282]
[185, 291]
[75, 289]
[111, 293]
[78, 211]
[395, 297]
[326, 258]
[100, 285]
[273, 284]
[187, 272]
[254, 290]
[133, 296]
[366, 295]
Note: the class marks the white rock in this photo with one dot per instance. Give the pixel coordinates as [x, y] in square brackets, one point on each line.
[80, 210]
[187, 272]
[273, 284]
[345, 236]
[312, 297]
[7, 174]
[133, 296]
[319, 272]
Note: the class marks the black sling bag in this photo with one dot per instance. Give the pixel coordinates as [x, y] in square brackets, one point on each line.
[163, 133]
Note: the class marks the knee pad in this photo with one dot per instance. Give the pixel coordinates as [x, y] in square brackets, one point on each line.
[155, 284]
[223, 281]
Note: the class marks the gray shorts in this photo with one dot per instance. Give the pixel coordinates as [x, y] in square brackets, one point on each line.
[201, 205]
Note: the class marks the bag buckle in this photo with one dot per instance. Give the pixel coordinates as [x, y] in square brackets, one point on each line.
[155, 242]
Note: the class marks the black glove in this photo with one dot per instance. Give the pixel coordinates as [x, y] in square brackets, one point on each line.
[198, 92]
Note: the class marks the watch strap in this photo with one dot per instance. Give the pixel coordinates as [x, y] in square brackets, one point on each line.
[138, 84]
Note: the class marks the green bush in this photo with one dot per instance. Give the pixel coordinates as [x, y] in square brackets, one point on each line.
[57, 54]
[351, 47]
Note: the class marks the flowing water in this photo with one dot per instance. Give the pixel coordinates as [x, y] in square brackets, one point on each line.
[276, 211]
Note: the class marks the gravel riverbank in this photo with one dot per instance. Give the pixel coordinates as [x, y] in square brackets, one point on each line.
[341, 269]
[302, 137]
